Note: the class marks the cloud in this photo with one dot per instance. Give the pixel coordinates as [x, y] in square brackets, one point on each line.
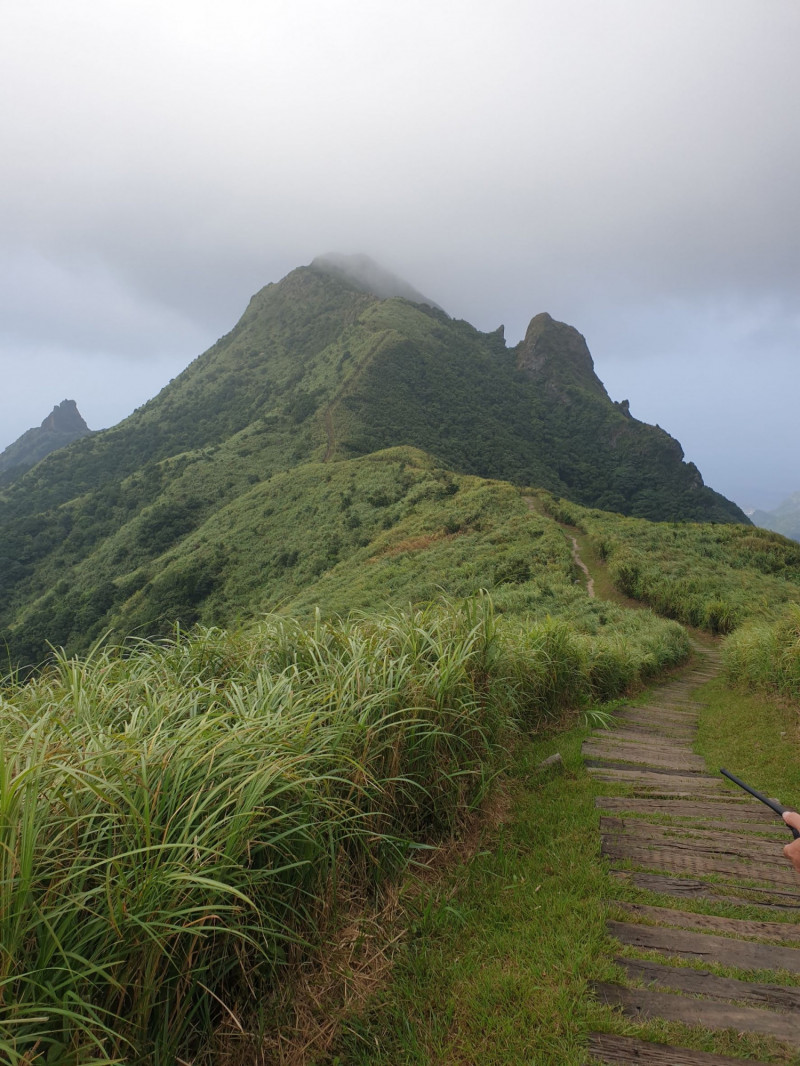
[611, 163]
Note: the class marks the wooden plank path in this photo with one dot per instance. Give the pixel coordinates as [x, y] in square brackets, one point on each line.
[685, 833]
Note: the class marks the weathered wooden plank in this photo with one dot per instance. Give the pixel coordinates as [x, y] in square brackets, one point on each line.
[673, 860]
[651, 742]
[650, 1003]
[703, 983]
[708, 810]
[669, 700]
[652, 716]
[697, 838]
[714, 795]
[628, 1051]
[659, 778]
[679, 716]
[643, 718]
[745, 830]
[767, 899]
[645, 726]
[744, 954]
[677, 759]
[676, 763]
[646, 737]
[684, 708]
[607, 763]
[712, 923]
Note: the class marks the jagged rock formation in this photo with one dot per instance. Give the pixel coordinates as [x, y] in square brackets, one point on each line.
[557, 355]
[63, 425]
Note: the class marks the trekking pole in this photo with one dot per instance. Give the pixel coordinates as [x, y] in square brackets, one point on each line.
[777, 807]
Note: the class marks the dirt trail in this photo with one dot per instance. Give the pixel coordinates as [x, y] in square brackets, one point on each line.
[576, 551]
[576, 558]
[720, 847]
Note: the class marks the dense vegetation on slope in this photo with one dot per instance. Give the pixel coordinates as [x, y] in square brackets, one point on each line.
[180, 819]
[391, 528]
[150, 520]
[394, 526]
[711, 576]
[728, 579]
[765, 653]
[534, 415]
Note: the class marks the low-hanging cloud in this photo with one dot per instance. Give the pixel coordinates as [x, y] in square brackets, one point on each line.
[630, 167]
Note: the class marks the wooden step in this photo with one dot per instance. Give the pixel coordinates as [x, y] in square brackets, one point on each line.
[698, 838]
[743, 954]
[628, 1051]
[629, 733]
[620, 753]
[684, 715]
[788, 931]
[691, 888]
[658, 777]
[639, 1003]
[750, 817]
[704, 983]
[662, 857]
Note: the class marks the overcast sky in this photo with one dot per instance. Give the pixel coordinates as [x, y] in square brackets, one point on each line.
[630, 166]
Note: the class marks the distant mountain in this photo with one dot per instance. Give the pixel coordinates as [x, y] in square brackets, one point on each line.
[784, 519]
[144, 523]
[63, 425]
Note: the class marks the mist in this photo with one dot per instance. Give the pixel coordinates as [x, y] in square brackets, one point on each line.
[630, 168]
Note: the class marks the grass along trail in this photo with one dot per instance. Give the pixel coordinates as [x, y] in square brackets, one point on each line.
[543, 944]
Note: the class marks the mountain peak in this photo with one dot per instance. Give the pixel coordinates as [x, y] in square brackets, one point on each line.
[63, 425]
[557, 352]
[66, 418]
[371, 277]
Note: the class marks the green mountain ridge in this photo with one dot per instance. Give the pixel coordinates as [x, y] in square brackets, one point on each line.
[192, 509]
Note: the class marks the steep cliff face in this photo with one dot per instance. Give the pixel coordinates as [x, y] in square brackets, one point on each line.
[556, 355]
[63, 425]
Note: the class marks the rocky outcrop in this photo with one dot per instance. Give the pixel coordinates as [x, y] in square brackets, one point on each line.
[63, 425]
[557, 354]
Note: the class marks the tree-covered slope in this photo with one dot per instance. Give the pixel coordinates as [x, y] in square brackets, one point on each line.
[534, 414]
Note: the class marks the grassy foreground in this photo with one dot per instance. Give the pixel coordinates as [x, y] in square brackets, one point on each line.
[178, 821]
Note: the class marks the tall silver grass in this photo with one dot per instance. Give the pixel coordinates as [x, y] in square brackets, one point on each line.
[178, 819]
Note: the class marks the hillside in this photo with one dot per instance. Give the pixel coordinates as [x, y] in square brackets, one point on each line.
[63, 425]
[224, 495]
